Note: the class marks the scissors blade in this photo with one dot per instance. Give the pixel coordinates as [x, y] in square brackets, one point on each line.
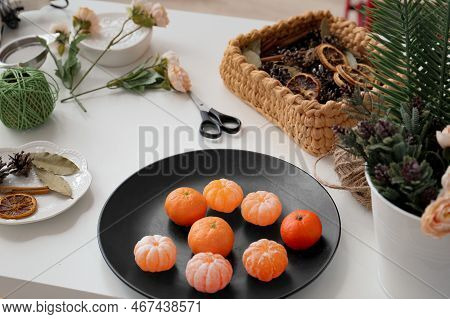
[200, 104]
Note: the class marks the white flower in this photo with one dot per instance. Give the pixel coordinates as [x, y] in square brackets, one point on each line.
[60, 27]
[178, 77]
[443, 137]
[86, 21]
[436, 219]
[171, 57]
[159, 13]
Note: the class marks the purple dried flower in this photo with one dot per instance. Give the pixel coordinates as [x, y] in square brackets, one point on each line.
[417, 102]
[340, 130]
[384, 128]
[411, 170]
[381, 173]
[365, 129]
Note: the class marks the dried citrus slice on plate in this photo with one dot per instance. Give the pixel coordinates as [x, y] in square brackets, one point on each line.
[330, 56]
[16, 206]
[306, 85]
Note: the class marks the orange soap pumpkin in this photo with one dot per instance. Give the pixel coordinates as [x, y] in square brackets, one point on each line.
[223, 195]
[261, 208]
[185, 206]
[265, 259]
[208, 272]
[155, 253]
[301, 229]
[211, 234]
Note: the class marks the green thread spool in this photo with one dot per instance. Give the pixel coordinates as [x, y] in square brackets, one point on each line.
[26, 98]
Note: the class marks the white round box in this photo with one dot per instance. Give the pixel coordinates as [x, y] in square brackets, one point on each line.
[127, 51]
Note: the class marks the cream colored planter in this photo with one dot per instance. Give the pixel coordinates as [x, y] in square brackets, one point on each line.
[410, 263]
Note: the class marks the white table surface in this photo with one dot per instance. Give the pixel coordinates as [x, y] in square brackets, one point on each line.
[62, 253]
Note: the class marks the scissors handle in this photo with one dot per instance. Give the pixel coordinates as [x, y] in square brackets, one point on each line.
[229, 124]
[209, 128]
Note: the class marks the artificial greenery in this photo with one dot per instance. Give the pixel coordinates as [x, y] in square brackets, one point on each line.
[150, 75]
[412, 55]
[398, 120]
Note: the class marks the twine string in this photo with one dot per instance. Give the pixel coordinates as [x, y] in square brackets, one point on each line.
[27, 97]
[351, 173]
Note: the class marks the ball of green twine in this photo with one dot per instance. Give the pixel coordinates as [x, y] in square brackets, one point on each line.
[26, 98]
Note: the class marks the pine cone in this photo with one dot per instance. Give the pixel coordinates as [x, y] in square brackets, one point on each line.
[278, 72]
[4, 171]
[20, 164]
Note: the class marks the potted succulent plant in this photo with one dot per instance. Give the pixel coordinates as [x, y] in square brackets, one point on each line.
[403, 134]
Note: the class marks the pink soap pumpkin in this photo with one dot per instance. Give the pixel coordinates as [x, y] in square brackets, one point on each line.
[155, 253]
[208, 272]
[261, 208]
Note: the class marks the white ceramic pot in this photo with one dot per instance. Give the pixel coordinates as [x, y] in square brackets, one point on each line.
[127, 51]
[410, 263]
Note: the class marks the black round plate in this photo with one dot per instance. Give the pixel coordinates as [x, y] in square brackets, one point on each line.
[136, 209]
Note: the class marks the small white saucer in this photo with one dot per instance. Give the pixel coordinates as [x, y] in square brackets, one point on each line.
[51, 204]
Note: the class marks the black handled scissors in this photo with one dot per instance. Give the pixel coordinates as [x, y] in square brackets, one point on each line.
[214, 122]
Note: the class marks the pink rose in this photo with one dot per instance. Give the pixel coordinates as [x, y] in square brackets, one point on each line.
[86, 21]
[443, 137]
[60, 27]
[171, 57]
[159, 14]
[436, 219]
[179, 79]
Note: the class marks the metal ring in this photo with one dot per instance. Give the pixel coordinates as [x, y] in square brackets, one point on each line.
[17, 45]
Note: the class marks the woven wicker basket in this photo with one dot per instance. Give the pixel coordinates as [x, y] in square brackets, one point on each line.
[309, 123]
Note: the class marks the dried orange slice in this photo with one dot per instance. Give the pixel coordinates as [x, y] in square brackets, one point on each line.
[330, 56]
[306, 85]
[351, 75]
[368, 71]
[339, 80]
[16, 206]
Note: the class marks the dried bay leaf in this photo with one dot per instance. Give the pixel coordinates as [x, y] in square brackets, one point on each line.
[325, 28]
[54, 163]
[54, 182]
[252, 53]
[351, 59]
[255, 46]
[252, 58]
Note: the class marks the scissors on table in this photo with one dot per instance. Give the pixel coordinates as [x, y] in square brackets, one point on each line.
[214, 123]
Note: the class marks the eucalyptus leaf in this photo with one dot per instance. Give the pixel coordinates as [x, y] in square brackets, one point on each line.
[54, 182]
[54, 163]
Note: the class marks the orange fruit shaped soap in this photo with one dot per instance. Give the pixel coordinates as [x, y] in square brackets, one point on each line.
[301, 229]
[265, 259]
[223, 195]
[155, 253]
[261, 208]
[211, 234]
[208, 272]
[185, 206]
